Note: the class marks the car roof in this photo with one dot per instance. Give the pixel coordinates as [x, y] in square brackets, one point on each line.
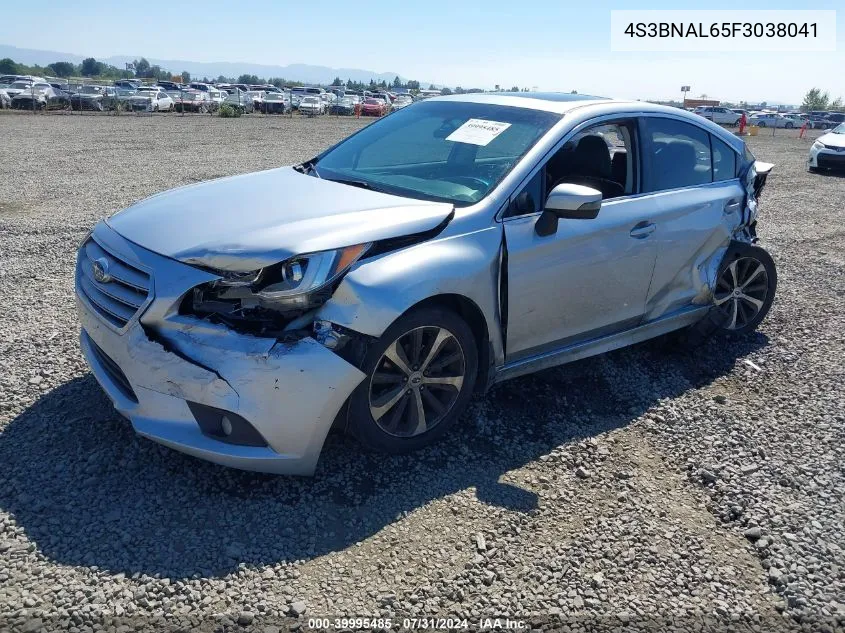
[589, 106]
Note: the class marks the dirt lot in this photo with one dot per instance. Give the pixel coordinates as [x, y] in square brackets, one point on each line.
[651, 486]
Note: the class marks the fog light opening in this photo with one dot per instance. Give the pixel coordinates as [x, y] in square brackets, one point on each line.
[226, 426]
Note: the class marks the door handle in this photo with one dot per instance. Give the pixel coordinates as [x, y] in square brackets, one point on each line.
[731, 206]
[643, 230]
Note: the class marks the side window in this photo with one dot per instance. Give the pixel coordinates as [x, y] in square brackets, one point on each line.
[530, 199]
[679, 153]
[724, 160]
[600, 157]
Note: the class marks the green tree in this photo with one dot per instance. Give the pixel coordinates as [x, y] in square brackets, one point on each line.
[432, 87]
[186, 77]
[90, 67]
[248, 79]
[62, 69]
[445, 91]
[514, 89]
[815, 99]
[337, 81]
[8, 67]
[413, 84]
[142, 67]
[836, 104]
[397, 83]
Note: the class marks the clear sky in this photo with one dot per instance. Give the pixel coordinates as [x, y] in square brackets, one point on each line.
[551, 44]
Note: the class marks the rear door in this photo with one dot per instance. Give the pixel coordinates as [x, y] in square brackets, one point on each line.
[691, 177]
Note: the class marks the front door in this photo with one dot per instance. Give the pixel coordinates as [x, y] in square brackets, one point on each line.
[591, 277]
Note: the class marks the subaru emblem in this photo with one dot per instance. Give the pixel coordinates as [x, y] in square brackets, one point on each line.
[100, 267]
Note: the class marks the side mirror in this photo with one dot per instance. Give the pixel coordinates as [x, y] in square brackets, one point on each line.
[568, 201]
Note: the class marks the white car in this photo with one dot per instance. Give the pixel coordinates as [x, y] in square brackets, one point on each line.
[217, 96]
[402, 101]
[312, 106]
[828, 151]
[152, 99]
[771, 119]
[718, 114]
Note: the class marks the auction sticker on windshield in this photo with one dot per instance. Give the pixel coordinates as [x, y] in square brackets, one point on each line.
[478, 132]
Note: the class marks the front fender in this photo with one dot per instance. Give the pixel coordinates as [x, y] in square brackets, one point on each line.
[380, 290]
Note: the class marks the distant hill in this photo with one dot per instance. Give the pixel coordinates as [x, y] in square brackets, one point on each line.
[297, 72]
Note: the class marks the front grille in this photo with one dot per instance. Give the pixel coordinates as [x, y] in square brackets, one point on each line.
[119, 298]
[831, 161]
[114, 372]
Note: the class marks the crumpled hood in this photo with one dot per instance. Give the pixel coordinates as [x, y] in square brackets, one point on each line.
[834, 140]
[243, 223]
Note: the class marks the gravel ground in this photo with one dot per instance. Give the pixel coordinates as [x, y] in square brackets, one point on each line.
[664, 489]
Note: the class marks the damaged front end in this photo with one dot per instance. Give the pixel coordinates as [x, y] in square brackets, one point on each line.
[277, 301]
[220, 366]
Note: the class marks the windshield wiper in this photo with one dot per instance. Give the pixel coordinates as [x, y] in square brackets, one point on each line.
[307, 167]
[363, 184]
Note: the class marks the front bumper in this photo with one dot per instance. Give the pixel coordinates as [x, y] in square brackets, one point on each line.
[824, 158]
[290, 393]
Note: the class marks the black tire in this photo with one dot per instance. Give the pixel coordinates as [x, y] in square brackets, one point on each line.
[717, 320]
[789, 126]
[813, 170]
[761, 124]
[362, 423]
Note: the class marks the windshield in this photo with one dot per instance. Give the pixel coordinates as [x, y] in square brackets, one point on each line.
[89, 90]
[448, 151]
[839, 129]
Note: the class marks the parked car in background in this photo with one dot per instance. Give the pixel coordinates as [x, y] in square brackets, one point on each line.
[402, 101]
[150, 99]
[817, 122]
[128, 84]
[24, 85]
[367, 282]
[312, 105]
[770, 119]
[198, 85]
[385, 98]
[167, 86]
[275, 103]
[240, 100]
[373, 107]
[88, 98]
[41, 97]
[257, 97]
[194, 101]
[835, 118]
[718, 114]
[828, 151]
[741, 111]
[344, 106]
[217, 97]
[797, 118]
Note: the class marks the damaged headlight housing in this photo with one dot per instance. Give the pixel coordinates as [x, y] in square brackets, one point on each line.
[298, 283]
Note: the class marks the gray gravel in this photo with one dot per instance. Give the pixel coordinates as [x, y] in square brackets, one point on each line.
[663, 489]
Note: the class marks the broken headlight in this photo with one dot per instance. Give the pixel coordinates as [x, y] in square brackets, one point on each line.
[263, 300]
[294, 280]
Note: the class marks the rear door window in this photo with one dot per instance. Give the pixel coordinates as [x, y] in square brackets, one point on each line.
[679, 154]
[724, 160]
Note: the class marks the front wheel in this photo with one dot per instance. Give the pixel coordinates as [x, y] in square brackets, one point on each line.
[762, 124]
[420, 377]
[789, 126]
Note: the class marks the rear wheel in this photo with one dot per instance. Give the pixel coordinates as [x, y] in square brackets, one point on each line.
[745, 288]
[789, 126]
[420, 377]
[762, 124]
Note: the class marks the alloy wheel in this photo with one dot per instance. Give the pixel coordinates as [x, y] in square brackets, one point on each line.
[741, 292]
[417, 381]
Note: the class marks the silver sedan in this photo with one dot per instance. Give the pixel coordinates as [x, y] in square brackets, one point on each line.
[440, 250]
